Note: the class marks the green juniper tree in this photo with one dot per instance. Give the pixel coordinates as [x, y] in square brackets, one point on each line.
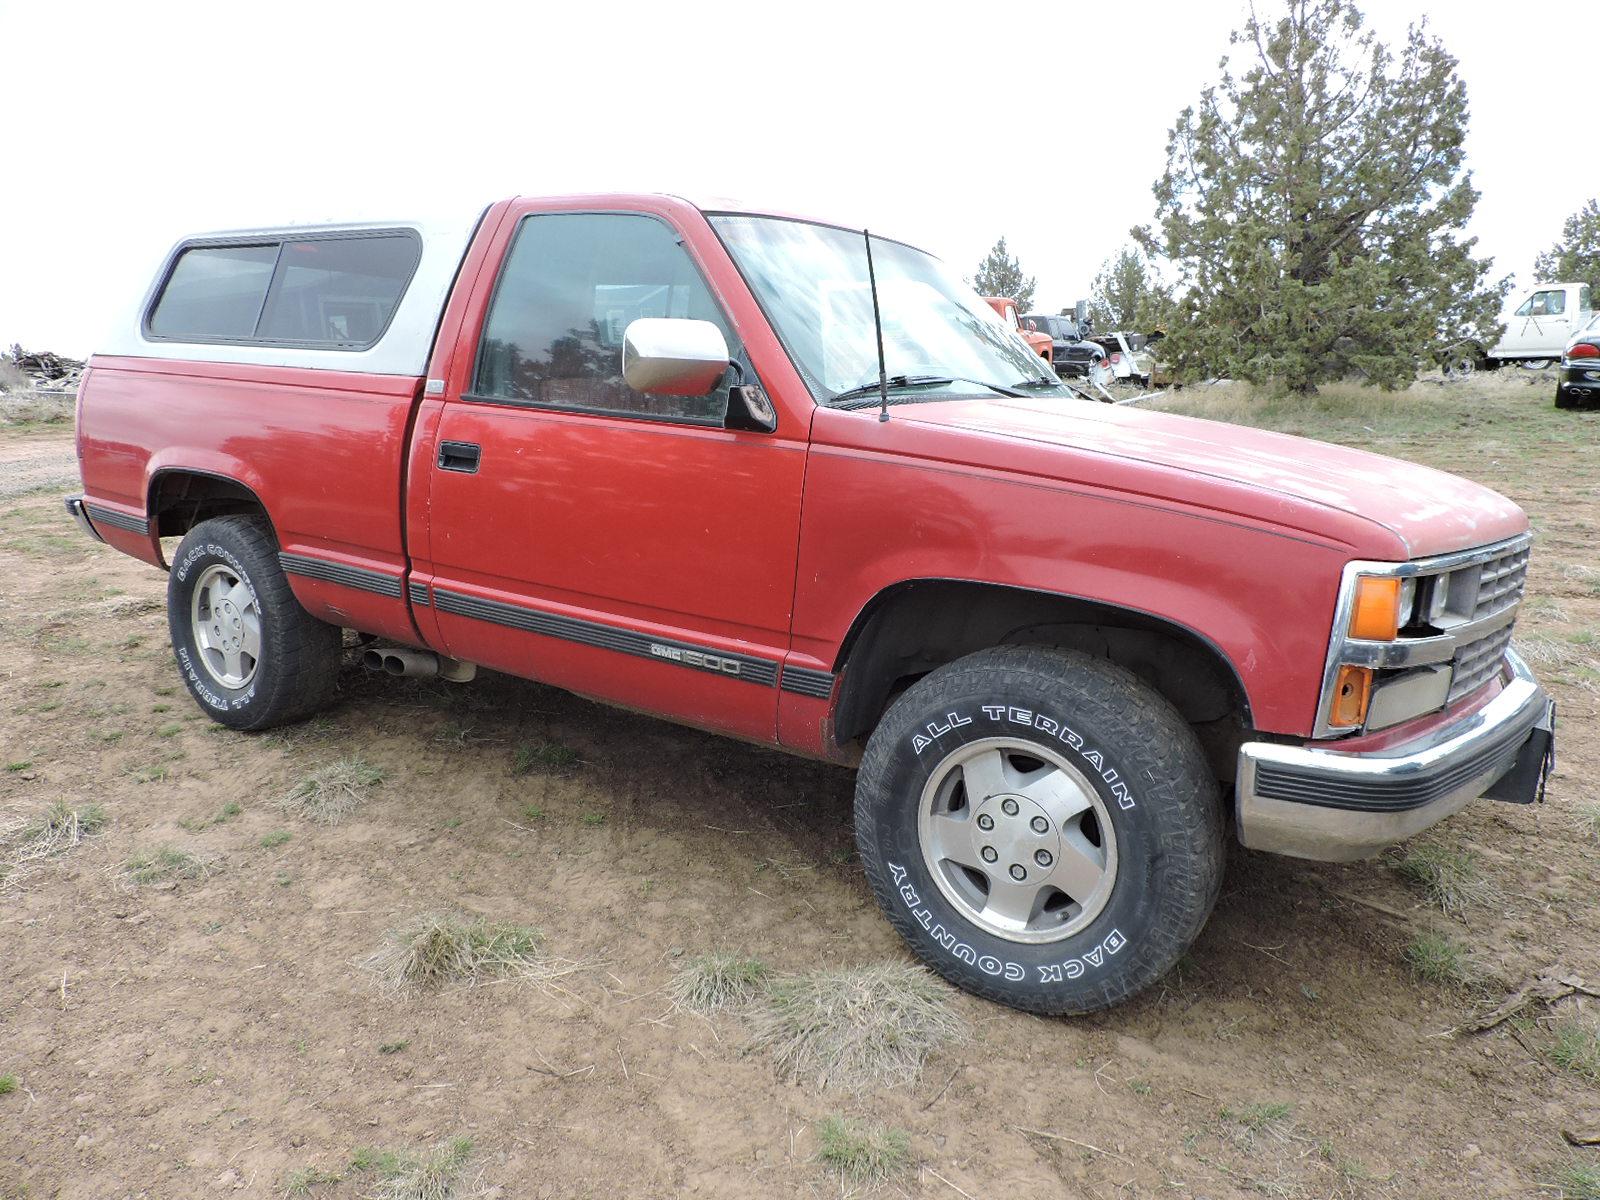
[1314, 207]
[1576, 257]
[1127, 295]
[1000, 274]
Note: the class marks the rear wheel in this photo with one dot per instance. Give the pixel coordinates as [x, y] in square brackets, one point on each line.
[1041, 828]
[249, 654]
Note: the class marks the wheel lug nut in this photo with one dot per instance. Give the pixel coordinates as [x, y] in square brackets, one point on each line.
[1040, 825]
[1017, 871]
[985, 822]
[988, 853]
[1009, 807]
[1042, 857]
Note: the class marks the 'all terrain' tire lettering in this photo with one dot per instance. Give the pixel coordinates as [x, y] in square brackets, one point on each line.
[1051, 728]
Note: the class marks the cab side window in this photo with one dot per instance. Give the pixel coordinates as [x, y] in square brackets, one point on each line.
[1548, 304]
[570, 286]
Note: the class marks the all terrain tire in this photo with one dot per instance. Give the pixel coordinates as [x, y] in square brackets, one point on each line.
[251, 657]
[1041, 827]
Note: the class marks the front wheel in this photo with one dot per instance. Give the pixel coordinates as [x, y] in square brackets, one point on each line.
[1041, 827]
[249, 654]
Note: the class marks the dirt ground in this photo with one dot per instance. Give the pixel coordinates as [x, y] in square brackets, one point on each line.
[217, 1034]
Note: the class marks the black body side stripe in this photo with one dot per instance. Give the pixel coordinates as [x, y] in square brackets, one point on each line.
[117, 520]
[418, 592]
[762, 671]
[803, 681]
[361, 578]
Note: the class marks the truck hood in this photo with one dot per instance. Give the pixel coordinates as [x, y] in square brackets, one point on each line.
[1429, 511]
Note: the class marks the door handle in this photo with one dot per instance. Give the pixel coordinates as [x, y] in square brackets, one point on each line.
[459, 456]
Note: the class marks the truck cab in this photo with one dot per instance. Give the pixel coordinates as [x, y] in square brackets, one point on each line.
[1540, 321]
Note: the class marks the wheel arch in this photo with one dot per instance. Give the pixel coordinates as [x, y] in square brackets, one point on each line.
[917, 625]
[178, 498]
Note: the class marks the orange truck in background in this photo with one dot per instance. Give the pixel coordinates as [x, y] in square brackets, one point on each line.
[1040, 343]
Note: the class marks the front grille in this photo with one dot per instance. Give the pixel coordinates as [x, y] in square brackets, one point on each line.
[1500, 583]
[1478, 662]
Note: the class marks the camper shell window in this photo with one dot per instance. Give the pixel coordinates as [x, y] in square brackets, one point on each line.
[332, 291]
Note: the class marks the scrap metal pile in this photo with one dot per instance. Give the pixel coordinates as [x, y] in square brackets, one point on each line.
[24, 370]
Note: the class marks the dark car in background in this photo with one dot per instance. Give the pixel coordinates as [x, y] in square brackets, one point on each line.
[1071, 352]
[1579, 379]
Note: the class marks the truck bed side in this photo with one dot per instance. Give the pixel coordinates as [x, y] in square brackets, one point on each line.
[321, 450]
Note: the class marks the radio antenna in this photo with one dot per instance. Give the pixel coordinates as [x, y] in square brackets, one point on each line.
[877, 325]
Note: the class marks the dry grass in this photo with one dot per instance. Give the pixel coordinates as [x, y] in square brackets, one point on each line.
[1577, 1047]
[436, 1175]
[720, 980]
[28, 839]
[302, 1180]
[330, 794]
[863, 1154]
[1556, 654]
[1255, 1118]
[438, 948]
[34, 408]
[1354, 414]
[1578, 1181]
[856, 1028]
[1442, 961]
[1449, 878]
[1589, 819]
[165, 864]
[543, 757]
[433, 1176]
[1580, 579]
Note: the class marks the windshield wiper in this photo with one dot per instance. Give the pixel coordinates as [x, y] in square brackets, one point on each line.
[867, 393]
[1037, 383]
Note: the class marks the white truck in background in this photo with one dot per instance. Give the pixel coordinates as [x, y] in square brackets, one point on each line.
[1539, 322]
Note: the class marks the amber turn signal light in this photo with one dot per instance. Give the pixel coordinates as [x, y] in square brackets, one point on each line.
[1352, 691]
[1376, 615]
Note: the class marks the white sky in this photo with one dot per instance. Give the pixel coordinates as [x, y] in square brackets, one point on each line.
[132, 124]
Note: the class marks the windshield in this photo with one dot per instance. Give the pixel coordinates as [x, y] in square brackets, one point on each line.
[811, 281]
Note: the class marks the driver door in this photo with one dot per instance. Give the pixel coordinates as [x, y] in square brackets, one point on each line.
[611, 542]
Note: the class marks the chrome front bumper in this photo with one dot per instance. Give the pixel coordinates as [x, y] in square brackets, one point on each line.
[1337, 806]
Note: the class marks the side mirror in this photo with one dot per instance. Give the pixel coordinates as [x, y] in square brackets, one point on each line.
[673, 356]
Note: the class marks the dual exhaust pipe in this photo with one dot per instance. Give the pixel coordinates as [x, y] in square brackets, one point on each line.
[417, 664]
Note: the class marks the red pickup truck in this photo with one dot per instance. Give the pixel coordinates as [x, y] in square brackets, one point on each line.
[798, 485]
